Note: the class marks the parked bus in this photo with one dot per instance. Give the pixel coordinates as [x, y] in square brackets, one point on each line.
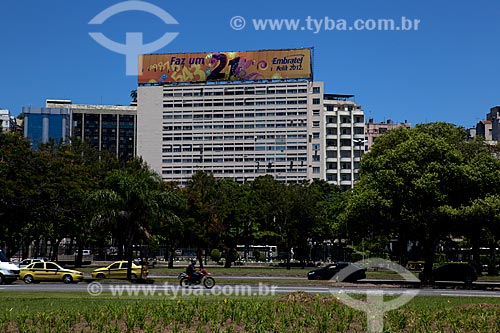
[248, 252]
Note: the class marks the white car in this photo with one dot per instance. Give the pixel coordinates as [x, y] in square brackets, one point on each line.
[28, 261]
[8, 271]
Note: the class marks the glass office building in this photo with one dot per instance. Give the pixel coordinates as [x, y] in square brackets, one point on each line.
[44, 124]
[105, 127]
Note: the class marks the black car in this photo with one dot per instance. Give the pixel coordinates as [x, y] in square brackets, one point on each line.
[339, 271]
[452, 272]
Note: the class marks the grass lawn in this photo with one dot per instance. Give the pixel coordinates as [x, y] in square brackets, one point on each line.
[296, 312]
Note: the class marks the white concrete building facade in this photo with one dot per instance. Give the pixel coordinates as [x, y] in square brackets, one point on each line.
[290, 130]
[344, 139]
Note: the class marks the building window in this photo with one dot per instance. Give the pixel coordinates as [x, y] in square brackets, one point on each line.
[316, 100]
[345, 165]
[345, 142]
[316, 90]
[316, 169]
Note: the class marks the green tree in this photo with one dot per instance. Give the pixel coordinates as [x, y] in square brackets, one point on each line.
[203, 226]
[411, 182]
[134, 200]
[18, 185]
[133, 95]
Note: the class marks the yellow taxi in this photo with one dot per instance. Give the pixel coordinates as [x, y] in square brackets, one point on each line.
[116, 270]
[49, 271]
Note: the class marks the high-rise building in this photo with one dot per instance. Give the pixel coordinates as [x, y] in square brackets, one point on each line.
[44, 124]
[345, 133]
[105, 127]
[238, 131]
[242, 115]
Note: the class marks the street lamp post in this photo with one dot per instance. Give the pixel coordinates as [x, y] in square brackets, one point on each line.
[359, 143]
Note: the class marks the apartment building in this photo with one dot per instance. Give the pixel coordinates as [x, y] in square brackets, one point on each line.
[234, 130]
[484, 128]
[6, 121]
[494, 118]
[374, 130]
[344, 138]
[241, 115]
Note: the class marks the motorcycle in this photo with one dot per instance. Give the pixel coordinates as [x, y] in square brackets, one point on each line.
[204, 278]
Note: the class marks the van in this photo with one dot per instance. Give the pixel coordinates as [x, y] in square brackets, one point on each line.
[8, 271]
[84, 252]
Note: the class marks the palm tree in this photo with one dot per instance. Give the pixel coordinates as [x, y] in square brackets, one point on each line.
[133, 95]
[132, 201]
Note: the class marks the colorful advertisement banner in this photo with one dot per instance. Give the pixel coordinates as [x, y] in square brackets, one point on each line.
[225, 66]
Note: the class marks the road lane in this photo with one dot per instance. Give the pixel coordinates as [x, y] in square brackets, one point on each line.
[250, 290]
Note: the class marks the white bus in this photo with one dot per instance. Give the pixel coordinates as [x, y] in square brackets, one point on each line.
[247, 252]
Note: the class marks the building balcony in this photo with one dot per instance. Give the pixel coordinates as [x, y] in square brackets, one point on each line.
[332, 159]
[332, 148]
[331, 136]
[359, 136]
[346, 125]
[331, 125]
[346, 136]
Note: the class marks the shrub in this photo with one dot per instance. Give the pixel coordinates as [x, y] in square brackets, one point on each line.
[215, 255]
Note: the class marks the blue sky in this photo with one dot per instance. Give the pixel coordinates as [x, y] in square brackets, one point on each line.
[447, 70]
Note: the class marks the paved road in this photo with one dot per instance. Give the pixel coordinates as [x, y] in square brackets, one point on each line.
[171, 289]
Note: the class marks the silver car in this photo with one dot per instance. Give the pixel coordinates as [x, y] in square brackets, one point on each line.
[28, 261]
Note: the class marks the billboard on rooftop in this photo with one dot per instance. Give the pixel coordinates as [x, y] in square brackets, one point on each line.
[225, 66]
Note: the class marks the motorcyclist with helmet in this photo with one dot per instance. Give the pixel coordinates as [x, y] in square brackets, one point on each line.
[192, 271]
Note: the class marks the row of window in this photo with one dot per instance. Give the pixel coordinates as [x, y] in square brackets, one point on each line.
[342, 108]
[343, 143]
[231, 115]
[234, 103]
[238, 171]
[236, 91]
[344, 176]
[258, 124]
[345, 131]
[277, 137]
[231, 158]
[251, 148]
[178, 137]
[343, 120]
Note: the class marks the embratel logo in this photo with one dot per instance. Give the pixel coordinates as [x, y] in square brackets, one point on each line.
[133, 40]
